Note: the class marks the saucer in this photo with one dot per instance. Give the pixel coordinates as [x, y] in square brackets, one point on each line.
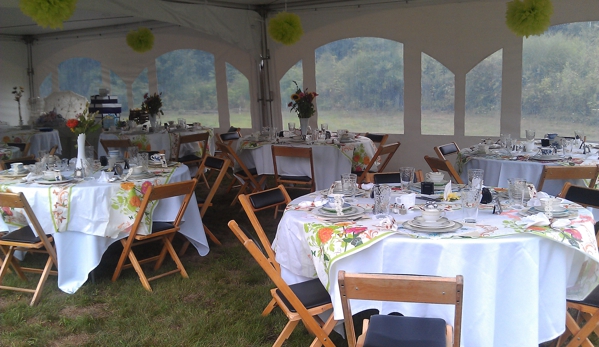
[442, 222]
[328, 207]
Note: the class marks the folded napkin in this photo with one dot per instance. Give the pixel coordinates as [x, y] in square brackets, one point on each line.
[367, 186]
[560, 223]
[31, 177]
[316, 203]
[447, 191]
[539, 219]
[104, 177]
[536, 201]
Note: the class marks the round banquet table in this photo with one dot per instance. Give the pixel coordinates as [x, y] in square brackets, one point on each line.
[87, 232]
[515, 286]
[39, 140]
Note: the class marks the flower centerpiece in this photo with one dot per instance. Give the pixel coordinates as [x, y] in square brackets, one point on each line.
[152, 105]
[302, 104]
[18, 92]
[81, 125]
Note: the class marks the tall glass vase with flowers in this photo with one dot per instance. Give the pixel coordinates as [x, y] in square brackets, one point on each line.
[152, 105]
[302, 102]
[83, 124]
[18, 92]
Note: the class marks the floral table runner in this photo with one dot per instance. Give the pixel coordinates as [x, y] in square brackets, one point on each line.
[330, 241]
[18, 136]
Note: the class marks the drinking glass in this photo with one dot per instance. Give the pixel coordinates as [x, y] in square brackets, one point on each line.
[182, 123]
[324, 127]
[348, 184]
[567, 146]
[530, 135]
[132, 154]
[89, 152]
[291, 126]
[475, 178]
[470, 201]
[516, 189]
[382, 196]
[406, 175]
[142, 160]
[504, 139]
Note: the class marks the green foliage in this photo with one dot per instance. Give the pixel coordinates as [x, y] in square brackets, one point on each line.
[140, 40]
[48, 13]
[528, 17]
[285, 28]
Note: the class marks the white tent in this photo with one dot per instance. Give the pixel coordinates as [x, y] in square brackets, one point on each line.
[458, 34]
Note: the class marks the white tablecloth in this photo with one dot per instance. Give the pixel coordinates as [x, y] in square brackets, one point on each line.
[514, 286]
[167, 141]
[498, 171]
[81, 246]
[40, 140]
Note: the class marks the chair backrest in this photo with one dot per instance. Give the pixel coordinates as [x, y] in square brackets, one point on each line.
[293, 152]
[447, 149]
[311, 323]
[379, 139]
[259, 201]
[385, 150]
[123, 144]
[391, 177]
[235, 159]
[552, 172]
[400, 288]
[53, 150]
[24, 147]
[587, 197]
[228, 138]
[200, 138]
[6, 164]
[212, 163]
[18, 200]
[437, 164]
[164, 191]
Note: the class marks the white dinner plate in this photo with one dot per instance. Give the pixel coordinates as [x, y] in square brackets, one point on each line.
[159, 164]
[449, 229]
[65, 179]
[546, 157]
[328, 207]
[443, 222]
[142, 176]
[10, 173]
[558, 209]
[354, 211]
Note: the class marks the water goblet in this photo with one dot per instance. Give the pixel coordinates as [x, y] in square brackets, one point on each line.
[475, 178]
[530, 135]
[470, 200]
[291, 126]
[406, 175]
[348, 184]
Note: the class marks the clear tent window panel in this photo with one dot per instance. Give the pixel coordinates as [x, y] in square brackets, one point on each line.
[483, 97]
[287, 88]
[80, 75]
[238, 91]
[46, 86]
[437, 98]
[119, 88]
[361, 85]
[140, 87]
[560, 89]
[186, 79]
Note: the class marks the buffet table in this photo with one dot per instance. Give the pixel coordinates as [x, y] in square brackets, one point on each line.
[163, 140]
[330, 160]
[86, 217]
[516, 279]
[39, 140]
[499, 167]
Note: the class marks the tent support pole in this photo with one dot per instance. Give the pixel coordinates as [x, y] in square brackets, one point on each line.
[29, 42]
[265, 97]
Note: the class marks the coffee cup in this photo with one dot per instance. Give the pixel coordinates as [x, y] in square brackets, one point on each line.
[336, 200]
[432, 214]
[547, 150]
[136, 170]
[550, 203]
[17, 167]
[434, 176]
[49, 175]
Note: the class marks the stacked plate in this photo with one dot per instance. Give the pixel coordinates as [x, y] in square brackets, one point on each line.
[141, 176]
[329, 208]
[350, 213]
[65, 179]
[547, 157]
[11, 173]
[557, 212]
[441, 225]
[159, 164]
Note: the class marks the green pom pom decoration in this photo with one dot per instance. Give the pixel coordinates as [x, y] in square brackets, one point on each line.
[48, 13]
[528, 17]
[140, 40]
[285, 28]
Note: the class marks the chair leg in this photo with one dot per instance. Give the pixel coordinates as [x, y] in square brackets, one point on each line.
[211, 236]
[139, 270]
[184, 248]
[176, 259]
[40, 285]
[9, 260]
[579, 337]
[268, 309]
[327, 328]
[285, 333]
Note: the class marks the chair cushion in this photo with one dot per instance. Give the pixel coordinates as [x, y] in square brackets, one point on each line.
[582, 195]
[160, 226]
[229, 136]
[295, 178]
[267, 198]
[592, 299]
[214, 163]
[311, 294]
[398, 331]
[24, 234]
[448, 149]
[189, 157]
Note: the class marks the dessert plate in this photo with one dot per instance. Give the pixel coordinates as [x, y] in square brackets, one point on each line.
[442, 222]
[64, 180]
[353, 211]
[451, 228]
[328, 207]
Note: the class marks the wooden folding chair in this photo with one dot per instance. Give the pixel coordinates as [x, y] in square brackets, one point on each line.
[53, 150]
[191, 159]
[28, 160]
[294, 152]
[122, 144]
[391, 177]
[248, 178]
[552, 172]
[389, 330]
[24, 147]
[437, 165]
[161, 231]
[378, 139]
[443, 150]
[219, 165]
[299, 302]
[31, 238]
[382, 151]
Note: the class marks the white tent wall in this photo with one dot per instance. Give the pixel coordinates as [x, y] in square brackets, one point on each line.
[458, 35]
[13, 72]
